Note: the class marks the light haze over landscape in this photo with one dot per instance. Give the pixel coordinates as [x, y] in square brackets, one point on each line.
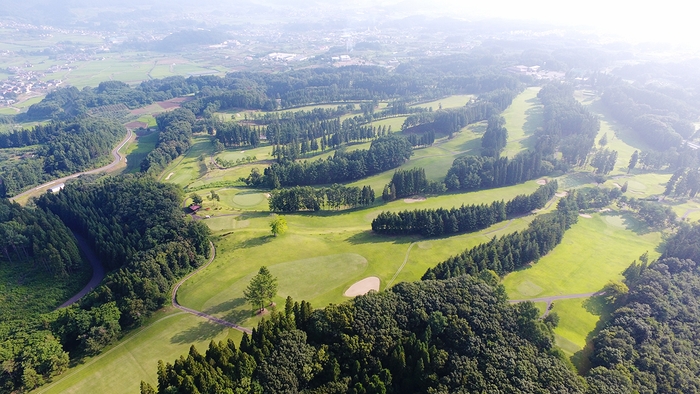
[371, 196]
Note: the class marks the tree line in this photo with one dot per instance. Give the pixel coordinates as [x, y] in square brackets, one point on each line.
[259, 90]
[449, 121]
[174, 138]
[307, 198]
[38, 237]
[406, 183]
[483, 172]
[495, 137]
[437, 222]
[383, 154]
[512, 251]
[568, 126]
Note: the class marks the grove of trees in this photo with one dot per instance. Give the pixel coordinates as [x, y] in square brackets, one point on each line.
[307, 198]
[383, 154]
[437, 222]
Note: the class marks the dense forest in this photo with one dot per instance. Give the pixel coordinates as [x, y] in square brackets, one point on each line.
[140, 234]
[649, 343]
[569, 127]
[64, 148]
[40, 267]
[483, 172]
[458, 335]
[136, 227]
[665, 122]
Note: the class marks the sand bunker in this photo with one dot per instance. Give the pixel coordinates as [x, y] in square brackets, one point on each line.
[605, 210]
[585, 215]
[363, 287]
[413, 199]
[562, 194]
[169, 175]
[541, 181]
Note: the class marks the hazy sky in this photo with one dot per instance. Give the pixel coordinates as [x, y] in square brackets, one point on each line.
[669, 21]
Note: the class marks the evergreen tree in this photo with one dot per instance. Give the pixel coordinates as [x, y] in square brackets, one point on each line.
[633, 161]
[261, 289]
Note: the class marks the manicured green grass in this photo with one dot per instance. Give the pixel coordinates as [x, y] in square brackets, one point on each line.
[523, 117]
[620, 138]
[121, 368]
[605, 245]
[138, 150]
[189, 167]
[593, 252]
[686, 209]
[578, 317]
[248, 200]
[8, 111]
[459, 100]
[244, 244]
[260, 153]
[395, 123]
[303, 279]
[436, 160]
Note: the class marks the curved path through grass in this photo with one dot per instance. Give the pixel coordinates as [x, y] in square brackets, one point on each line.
[117, 159]
[405, 260]
[173, 298]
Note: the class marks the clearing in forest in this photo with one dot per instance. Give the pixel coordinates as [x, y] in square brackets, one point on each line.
[593, 252]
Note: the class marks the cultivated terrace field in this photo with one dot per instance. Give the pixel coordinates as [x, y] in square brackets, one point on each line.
[473, 216]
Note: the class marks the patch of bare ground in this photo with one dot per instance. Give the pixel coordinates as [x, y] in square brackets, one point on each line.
[413, 199]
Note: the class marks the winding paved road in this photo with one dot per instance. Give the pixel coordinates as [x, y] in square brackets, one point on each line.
[117, 159]
[98, 271]
[173, 298]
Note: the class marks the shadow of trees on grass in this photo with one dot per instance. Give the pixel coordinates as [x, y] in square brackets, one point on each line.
[205, 330]
[598, 306]
[226, 305]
